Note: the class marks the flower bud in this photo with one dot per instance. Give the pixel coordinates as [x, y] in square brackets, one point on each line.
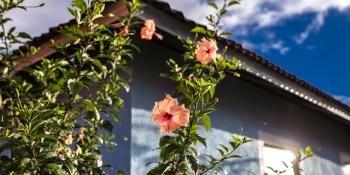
[60, 150]
[81, 135]
[118, 24]
[189, 78]
[124, 32]
[69, 139]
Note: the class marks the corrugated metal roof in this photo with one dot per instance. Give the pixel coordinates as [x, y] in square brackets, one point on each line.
[165, 7]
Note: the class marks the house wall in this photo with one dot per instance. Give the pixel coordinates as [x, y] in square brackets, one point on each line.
[120, 156]
[262, 114]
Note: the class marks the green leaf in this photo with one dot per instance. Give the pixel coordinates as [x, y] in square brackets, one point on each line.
[233, 2]
[184, 91]
[199, 29]
[194, 163]
[97, 113]
[24, 35]
[224, 147]
[309, 152]
[98, 64]
[234, 156]
[75, 86]
[206, 122]
[223, 11]
[213, 4]
[226, 33]
[107, 125]
[25, 161]
[202, 140]
[167, 151]
[164, 141]
[25, 138]
[222, 153]
[72, 12]
[91, 107]
[194, 128]
[80, 4]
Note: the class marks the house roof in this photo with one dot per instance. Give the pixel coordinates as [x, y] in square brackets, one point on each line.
[165, 7]
[344, 110]
[250, 54]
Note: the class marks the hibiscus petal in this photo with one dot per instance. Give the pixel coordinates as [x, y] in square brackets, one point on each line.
[181, 115]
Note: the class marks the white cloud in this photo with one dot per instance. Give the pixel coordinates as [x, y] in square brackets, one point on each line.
[280, 47]
[267, 46]
[36, 21]
[343, 99]
[315, 26]
[257, 14]
[249, 16]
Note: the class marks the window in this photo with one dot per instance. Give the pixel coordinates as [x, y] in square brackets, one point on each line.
[346, 169]
[277, 159]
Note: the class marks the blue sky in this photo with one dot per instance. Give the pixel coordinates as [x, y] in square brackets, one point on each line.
[323, 59]
[309, 38]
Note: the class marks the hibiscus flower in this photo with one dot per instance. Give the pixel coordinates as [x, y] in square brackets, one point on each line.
[149, 29]
[206, 51]
[169, 115]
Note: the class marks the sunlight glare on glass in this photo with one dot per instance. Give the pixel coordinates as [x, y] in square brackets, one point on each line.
[274, 157]
[346, 169]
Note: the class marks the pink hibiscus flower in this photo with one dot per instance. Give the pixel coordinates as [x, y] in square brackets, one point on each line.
[149, 30]
[169, 115]
[206, 52]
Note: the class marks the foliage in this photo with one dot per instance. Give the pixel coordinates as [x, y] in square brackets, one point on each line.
[56, 114]
[197, 77]
[196, 90]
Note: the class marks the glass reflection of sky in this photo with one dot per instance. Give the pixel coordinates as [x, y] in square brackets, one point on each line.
[346, 169]
[274, 157]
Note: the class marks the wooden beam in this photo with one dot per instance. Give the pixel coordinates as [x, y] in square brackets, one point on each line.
[45, 49]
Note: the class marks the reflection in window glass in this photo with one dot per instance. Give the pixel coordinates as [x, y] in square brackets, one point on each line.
[346, 169]
[275, 158]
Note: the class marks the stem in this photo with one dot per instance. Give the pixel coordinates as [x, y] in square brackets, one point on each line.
[216, 25]
[217, 163]
[188, 131]
[5, 36]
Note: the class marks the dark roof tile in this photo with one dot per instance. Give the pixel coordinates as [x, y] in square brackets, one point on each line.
[165, 7]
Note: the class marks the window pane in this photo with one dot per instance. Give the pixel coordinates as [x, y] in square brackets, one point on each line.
[346, 169]
[274, 157]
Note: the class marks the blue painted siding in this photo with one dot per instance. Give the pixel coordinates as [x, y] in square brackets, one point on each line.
[242, 105]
